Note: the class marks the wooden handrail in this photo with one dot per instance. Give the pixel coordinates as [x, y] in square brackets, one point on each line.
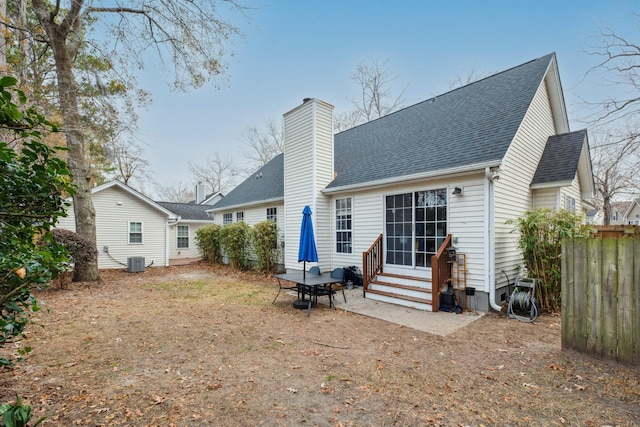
[371, 262]
[440, 272]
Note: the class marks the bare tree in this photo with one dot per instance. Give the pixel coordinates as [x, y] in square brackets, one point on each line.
[376, 98]
[192, 33]
[217, 173]
[129, 163]
[346, 120]
[467, 76]
[178, 193]
[616, 161]
[263, 143]
[619, 67]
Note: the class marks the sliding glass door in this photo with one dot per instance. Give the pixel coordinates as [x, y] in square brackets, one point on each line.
[416, 226]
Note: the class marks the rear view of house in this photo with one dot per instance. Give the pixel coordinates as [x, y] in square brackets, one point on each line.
[390, 195]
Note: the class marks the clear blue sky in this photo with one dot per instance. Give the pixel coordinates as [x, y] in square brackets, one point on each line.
[292, 49]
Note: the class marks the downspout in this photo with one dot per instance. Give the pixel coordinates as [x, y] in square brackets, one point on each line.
[166, 239]
[490, 246]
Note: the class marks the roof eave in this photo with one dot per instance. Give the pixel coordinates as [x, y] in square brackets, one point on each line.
[246, 205]
[461, 170]
[551, 184]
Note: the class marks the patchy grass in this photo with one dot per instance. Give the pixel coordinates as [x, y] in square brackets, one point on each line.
[198, 345]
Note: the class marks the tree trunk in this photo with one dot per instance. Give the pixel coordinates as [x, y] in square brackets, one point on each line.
[82, 203]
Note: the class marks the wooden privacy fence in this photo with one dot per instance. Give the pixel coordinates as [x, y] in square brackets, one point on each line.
[601, 295]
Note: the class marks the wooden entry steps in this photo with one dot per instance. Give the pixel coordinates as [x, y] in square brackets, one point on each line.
[408, 291]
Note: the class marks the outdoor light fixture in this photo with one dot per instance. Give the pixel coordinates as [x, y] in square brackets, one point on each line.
[457, 191]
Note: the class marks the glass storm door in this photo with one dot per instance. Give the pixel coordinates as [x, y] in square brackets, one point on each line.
[416, 226]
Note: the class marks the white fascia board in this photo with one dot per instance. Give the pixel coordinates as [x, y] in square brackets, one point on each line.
[554, 184]
[192, 221]
[246, 205]
[459, 171]
[557, 97]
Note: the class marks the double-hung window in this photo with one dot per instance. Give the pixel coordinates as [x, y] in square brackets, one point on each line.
[570, 204]
[227, 218]
[135, 232]
[344, 226]
[272, 214]
[182, 233]
[239, 216]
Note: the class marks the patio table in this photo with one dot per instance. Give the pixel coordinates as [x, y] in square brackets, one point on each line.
[307, 284]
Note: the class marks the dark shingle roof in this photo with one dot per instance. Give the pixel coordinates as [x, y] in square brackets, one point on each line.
[470, 125]
[188, 210]
[265, 184]
[560, 158]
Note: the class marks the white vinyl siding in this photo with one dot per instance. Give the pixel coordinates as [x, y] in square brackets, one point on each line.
[466, 223]
[115, 208]
[546, 198]
[513, 196]
[308, 169]
[185, 253]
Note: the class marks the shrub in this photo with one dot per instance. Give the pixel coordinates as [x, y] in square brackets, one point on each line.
[17, 414]
[264, 236]
[541, 231]
[235, 242]
[32, 182]
[208, 240]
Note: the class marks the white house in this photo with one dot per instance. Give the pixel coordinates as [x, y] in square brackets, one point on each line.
[390, 195]
[129, 225]
[632, 214]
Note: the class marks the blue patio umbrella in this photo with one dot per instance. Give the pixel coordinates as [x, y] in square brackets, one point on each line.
[307, 249]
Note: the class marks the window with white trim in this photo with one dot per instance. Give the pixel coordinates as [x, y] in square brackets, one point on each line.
[240, 216]
[182, 236]
[570, 204]
[227, 218]
[272, 214]
[135, 232]
[344, 234]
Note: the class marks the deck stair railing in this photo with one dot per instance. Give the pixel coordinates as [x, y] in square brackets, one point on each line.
[371, 263]
[440, 272]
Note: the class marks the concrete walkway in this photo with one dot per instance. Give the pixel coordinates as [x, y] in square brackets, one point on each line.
[440, 323]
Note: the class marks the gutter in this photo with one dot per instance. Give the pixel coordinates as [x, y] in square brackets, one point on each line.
[440, 173]
[245, 205]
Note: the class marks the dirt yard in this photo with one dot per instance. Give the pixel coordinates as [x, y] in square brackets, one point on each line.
[198, 345]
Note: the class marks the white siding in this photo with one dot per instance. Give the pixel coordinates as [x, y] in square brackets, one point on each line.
[114, 210]
[513, 196]
[465, 223]
[546, 198]
[308, 168]
[190, 252]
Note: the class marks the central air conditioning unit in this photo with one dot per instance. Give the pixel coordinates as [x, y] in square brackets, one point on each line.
[135, 264]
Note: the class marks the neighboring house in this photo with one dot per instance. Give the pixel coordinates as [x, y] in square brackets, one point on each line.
[632, 214]
[131, 225]
[449, 171]
[618, 211]
[595, 217]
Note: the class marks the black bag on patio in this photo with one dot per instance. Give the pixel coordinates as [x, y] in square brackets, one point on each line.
[353, 273]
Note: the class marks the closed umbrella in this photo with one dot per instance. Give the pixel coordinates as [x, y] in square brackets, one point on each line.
[307, 250]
